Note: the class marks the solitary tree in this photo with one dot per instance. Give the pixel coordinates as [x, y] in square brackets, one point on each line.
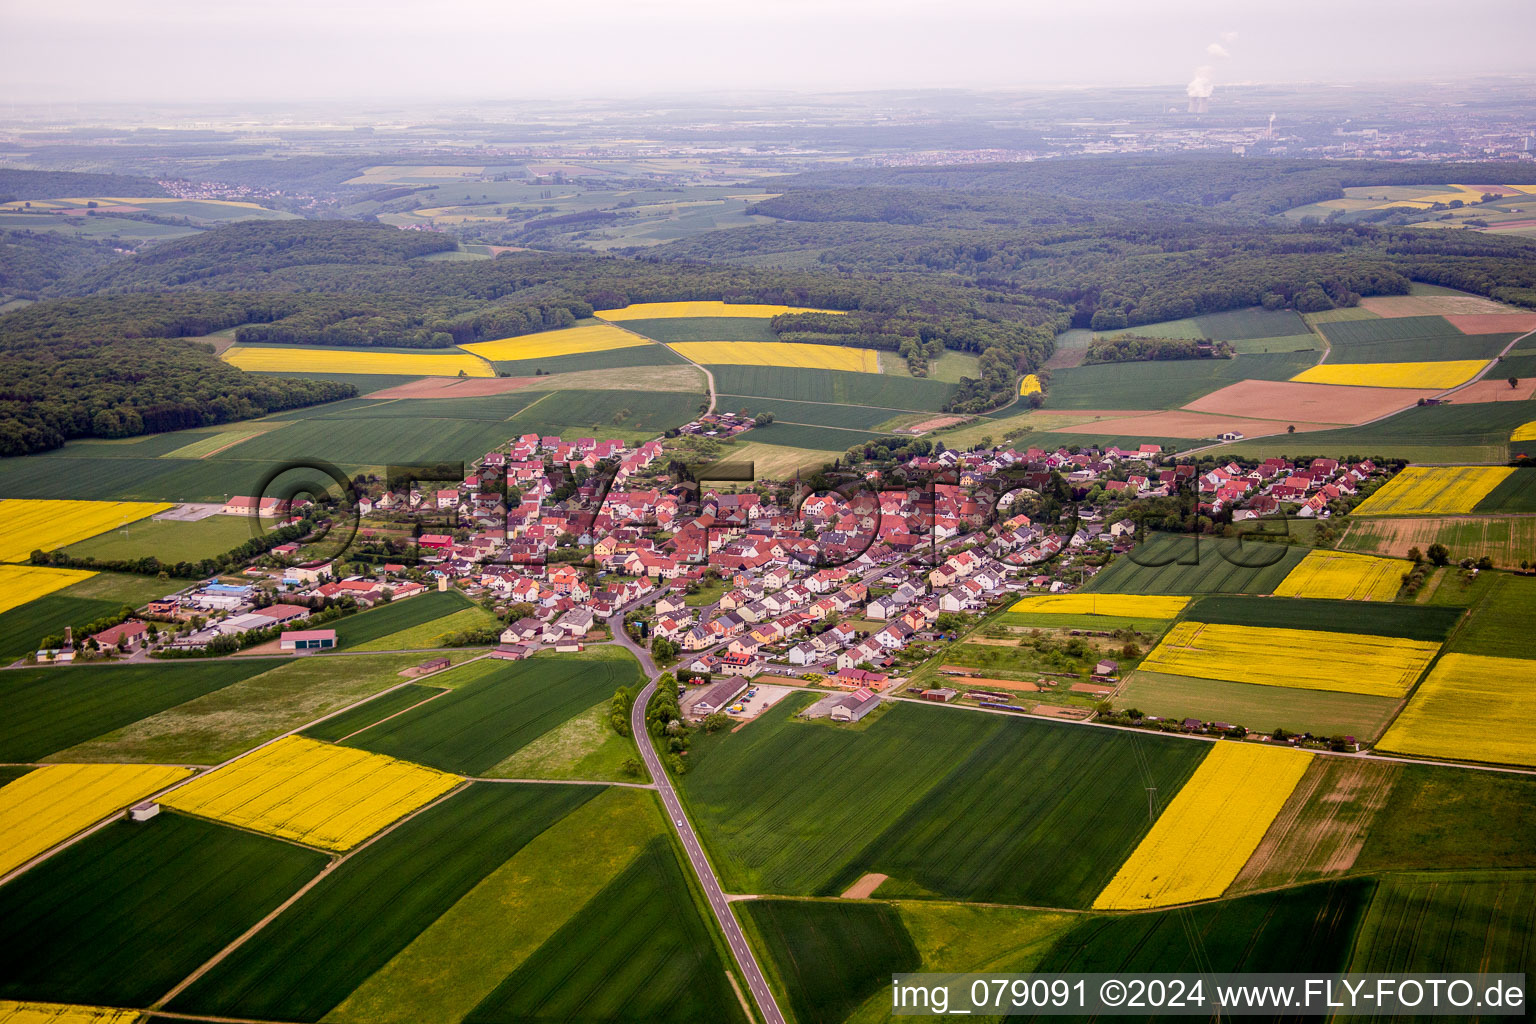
[1514, 382]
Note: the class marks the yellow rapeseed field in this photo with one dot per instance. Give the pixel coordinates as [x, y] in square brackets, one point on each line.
[49, 804]
[22, 583]
[1302, 658]
[779, 353]
[27, 524]
[672, 310]
[61, 1013]
[311, 792]
[1345, 577]
[549, 344]
[1129, 606]
[1030, 385]
[343, 360]
[1435, 376]
[1433, 490]
[1524, 432]
[1205, 836]
[1471, 708]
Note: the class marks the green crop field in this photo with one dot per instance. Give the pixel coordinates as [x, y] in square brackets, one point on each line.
[124, 915]
[430, 634]
[703, 328]
[1258, 708]
[375, 710]
[100, 472]
[931, 798]
[798, 435]
[1177, 564]
[1307, 929]
[638, 415]
[508, 706]
[639, 951]
[1437, 433]
[353, 922]
[23, 627]
[1500, 624]
[1252, 323]
[167, 540]
[1436, 820]
[1516, 494]
[820, 414]
[830, 957]
[634, 355]
[1421, 923]
[397, 616]
[1381, 618]
[839, 387]
[366, 383]
[1507, 540]
[1162, 385]
[48, 709]
[279, 695]
[400, 437]
[1408, 339]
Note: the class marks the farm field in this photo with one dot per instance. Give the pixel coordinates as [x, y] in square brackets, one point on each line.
[1407, 339]
[1428, 490]
[168, 540]
[12, 1012]
[1258, 707]
[568, 342]
[1515, 494]
[839, 387]
[1130, 606]
[1176, 564]
[779, 353]
[125, 914]
[502, 707]
[1410, 621]
[800, 435]
[431, 634]
[1323, 826]
[1507, 540]
[362, 915]
[49, 709]
[1306, 929]
[1345, 577]
[776, 462]
[1416, 922]
[776, 806]
[1499, 623]
[342, 360]
[634, 953]
[93, 598]
[1437, 376]
[20, 584]
[49, 804]
[1313, 659]
[539, 370]
[1460, 712]
[830, 957]
[1439, 434]
[1202, 839]
[275, 696]
[462, 956]
[821, 414]
[27, 526]
[405, 618]
[1163, 385]
[368, 713]
[584, 746]
[672, 310]
[311, 792]
[703, 328]
[1429, 821]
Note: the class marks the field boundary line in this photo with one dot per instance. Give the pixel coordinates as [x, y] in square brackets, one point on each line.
[709, 378]
[324, 872]
[397, 714]
[562, 782]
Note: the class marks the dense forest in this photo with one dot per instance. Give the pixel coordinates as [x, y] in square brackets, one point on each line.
[32, 261]
[18, 184]
[1132, 348]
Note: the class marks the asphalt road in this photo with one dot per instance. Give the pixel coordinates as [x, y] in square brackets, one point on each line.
[745, 960]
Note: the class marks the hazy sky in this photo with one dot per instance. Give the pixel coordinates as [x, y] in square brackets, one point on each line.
[104, 50]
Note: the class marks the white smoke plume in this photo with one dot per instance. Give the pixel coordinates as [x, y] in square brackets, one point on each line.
[1201, 86]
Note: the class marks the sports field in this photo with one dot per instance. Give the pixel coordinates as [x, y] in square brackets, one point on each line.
[1203, 838]
[20, 584]
[779, 353]
[30, 525]
[1434, 376]
[1464, 709]
[49, 804]
[672, 310]
[313, 793]
[1433, 490]
[1302, 658]
[569, 342]
[341, 360]
[1345, 577]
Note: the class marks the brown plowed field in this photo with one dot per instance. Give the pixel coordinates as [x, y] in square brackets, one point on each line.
[1307, 403]
[1495, 389]
[1493, 323]
[454, 387]
[1431, 305]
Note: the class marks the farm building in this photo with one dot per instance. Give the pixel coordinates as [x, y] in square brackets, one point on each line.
[433, 665]
[307, 640]
[715, 697]
[854, 706]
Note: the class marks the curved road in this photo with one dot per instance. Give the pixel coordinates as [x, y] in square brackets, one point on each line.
[745, 960]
